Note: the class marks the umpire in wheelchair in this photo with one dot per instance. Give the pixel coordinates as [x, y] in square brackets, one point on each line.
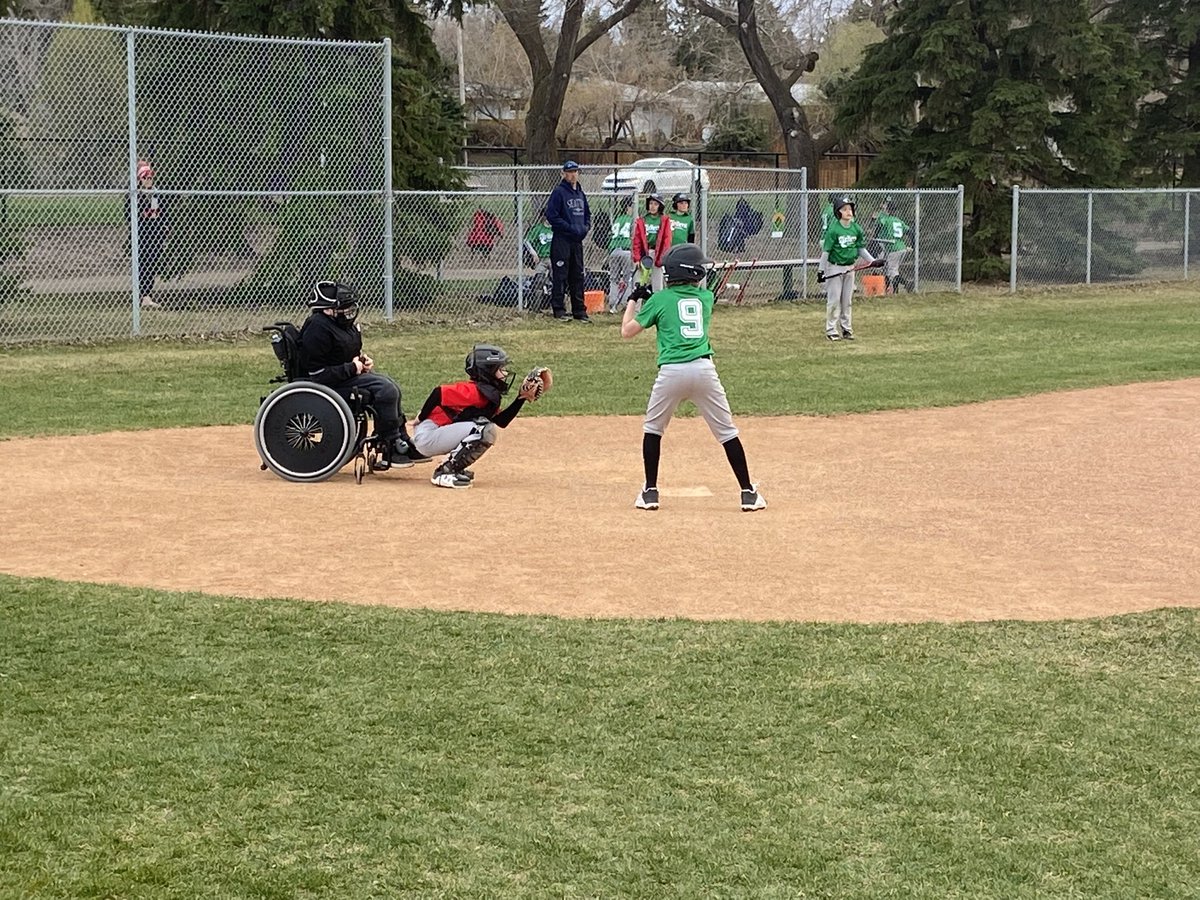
[331, 349]
[317, 422]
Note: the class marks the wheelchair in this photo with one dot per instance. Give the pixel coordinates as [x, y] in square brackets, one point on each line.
[308, 432]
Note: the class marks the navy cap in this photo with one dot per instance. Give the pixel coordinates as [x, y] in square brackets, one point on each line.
[570, 166]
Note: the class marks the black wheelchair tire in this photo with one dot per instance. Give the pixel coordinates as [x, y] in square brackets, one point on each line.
[305, 432]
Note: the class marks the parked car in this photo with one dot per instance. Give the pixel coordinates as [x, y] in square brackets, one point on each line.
[657, 173]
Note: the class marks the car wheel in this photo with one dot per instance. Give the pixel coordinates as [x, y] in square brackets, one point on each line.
[649, 187]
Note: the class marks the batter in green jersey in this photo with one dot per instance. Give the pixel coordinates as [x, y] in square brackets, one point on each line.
[680, 314]
[843, 245]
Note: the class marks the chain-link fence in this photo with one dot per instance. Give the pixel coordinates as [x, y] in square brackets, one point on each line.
[256, 166]
[1064, 236]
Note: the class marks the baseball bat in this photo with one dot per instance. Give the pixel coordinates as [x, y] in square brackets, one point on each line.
[745, 281]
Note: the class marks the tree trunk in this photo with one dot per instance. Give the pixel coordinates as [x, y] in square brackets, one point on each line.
[541, 120]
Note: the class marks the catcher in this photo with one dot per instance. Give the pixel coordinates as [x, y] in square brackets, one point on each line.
[462, 418]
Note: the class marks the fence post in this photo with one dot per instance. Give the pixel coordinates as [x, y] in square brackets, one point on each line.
[959, 253]
[1087, 275]
[702, 196]
[520, 253]
[804, 232]
[134, 236]
[389, 198]
[917, 242]
[1187, 230]
[1012, 256]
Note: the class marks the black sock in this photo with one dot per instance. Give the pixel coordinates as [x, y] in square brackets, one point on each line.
[651, 448]
[736, 454]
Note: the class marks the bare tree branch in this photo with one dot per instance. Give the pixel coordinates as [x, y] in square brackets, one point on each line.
[606, 25]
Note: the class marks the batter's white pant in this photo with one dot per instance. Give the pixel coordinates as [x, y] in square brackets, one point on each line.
[839, 293]
[696, 381]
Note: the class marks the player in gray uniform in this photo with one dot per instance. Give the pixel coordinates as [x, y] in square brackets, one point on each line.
[680, 314]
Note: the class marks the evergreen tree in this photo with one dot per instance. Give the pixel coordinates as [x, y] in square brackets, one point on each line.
[1167, 145]
[295, 118]
[989, 93]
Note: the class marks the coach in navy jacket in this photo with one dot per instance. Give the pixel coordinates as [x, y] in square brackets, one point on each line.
[570, 219]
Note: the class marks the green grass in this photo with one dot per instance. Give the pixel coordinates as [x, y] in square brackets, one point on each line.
[912, 352]
[158, 745]
[166, 745]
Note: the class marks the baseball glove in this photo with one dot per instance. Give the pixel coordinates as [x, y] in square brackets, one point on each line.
[536, 383]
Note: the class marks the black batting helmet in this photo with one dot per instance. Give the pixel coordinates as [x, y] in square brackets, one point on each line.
[686, 263]
[657, 198]
[680, 198]
[484, 362]
[844, 201]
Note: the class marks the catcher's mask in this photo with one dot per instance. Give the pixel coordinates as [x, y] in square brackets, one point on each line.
[336, 296]
[686, 263]
[484, 361]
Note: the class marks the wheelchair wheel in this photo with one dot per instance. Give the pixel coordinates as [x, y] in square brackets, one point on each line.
[305, 432]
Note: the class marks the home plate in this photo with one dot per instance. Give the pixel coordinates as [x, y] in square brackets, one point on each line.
[686, 492]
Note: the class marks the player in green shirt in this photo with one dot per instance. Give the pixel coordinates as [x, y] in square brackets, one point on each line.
[892, 234]
[680, 314]
[538, 238]
[620, 256]
[683, 226]
[843, 245]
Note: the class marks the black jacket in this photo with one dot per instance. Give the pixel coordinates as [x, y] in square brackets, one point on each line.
[328, 348]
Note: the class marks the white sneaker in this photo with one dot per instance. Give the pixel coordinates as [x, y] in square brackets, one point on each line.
[752, 499]
[149, 302]
[450, 480]
[647, 499]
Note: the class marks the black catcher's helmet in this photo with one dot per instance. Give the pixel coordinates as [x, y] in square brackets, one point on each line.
[484, 361]
[656, 197]
[686, 263]
[680, 198]
[335, 295]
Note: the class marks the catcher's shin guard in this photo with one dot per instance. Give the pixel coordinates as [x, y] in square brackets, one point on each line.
[473, 446]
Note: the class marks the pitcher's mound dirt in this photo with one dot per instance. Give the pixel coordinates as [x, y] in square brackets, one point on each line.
[1066, 505]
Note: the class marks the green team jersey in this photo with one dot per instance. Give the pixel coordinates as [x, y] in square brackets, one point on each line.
[680, 316]
[827, 218]
[683, 228]
[842, 242]
[622, 233]
[652, 225]
[890, 230]
[540, 236]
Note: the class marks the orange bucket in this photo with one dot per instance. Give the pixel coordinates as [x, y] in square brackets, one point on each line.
[593, 301]
[874, 285]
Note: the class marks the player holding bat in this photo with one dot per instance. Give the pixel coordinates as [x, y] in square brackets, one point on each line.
[843, 245]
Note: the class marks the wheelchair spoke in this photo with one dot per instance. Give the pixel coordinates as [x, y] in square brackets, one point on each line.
[304, 431]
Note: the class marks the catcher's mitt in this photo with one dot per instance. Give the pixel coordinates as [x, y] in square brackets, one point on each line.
[536, 383]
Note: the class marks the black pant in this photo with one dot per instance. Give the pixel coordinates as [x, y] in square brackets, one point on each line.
[566, 267]
[385, 398]
[150, 246]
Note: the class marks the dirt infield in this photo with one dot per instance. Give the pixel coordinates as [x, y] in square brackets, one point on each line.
[1066, 505]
